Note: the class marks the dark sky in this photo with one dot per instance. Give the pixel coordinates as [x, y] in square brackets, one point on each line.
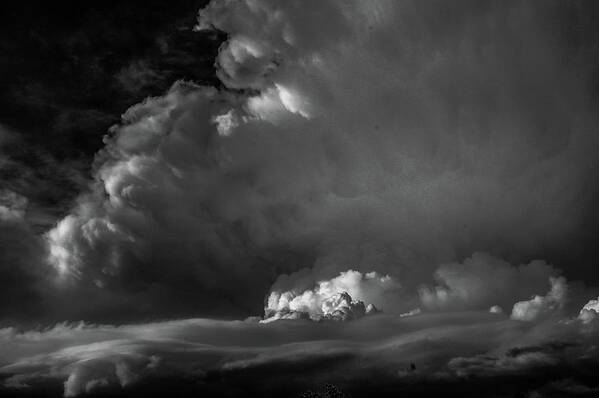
[70, 69]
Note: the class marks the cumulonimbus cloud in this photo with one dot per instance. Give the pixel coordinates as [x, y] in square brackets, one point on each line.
[349, 135]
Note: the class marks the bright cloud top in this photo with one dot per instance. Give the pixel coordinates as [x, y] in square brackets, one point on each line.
[333, 298]
[542, 305]
[589, 311]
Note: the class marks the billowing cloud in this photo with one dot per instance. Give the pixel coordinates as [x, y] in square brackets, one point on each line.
[542, 305]
[380, 136]
[589, 311]
[483, 281]
[349, 295]
[352, 150]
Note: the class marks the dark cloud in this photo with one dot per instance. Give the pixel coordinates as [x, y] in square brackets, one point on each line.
[21, 256]
[402, 142]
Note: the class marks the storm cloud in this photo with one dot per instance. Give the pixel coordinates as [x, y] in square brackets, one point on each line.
[388, 138]
[436, 161]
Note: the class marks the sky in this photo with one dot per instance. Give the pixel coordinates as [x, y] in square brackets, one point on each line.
[263, 197]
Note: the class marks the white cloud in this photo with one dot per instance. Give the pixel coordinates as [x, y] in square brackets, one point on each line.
[482, 281]
[496, 310]
[539, 306]
[346, 296]
[589, 311]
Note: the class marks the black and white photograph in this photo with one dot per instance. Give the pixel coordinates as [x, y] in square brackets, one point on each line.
[299, 198]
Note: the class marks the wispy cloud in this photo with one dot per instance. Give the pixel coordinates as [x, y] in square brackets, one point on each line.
[445, 348]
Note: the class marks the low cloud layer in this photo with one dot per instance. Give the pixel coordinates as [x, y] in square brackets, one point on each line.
[447, 351]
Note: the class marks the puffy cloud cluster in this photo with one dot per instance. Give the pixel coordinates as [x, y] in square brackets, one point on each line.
[383, 135]
[483, 281]
[480, 282]
[341, 298]
[589, 311]
[542, 305]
